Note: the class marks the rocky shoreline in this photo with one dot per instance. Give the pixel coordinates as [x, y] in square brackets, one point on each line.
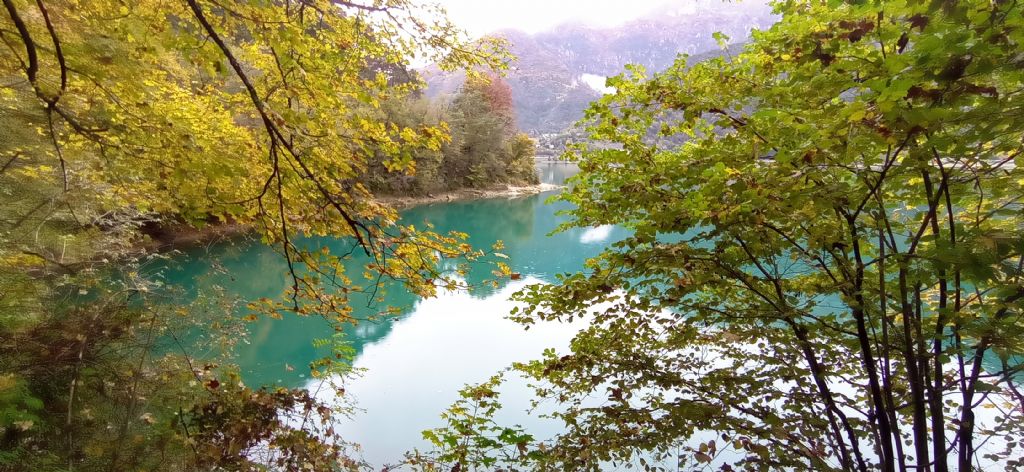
[181, 236]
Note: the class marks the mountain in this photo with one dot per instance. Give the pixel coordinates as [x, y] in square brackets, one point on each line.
[558, 72]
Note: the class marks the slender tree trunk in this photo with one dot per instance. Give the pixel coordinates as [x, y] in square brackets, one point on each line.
[817, 372]
[935, 392]
[966, 431]
[890, 406]
[867, 357]
[920, 426]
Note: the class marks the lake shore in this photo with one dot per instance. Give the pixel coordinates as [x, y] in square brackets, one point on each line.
[510, 191]
[178, 235]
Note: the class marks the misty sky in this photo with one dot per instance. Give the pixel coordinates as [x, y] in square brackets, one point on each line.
[480, 17]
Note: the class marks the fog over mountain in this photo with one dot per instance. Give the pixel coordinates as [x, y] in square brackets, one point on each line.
[558, 72]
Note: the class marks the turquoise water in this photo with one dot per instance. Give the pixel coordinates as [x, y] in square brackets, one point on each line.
[414, 363]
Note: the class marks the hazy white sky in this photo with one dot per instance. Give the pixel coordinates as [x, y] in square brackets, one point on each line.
[480, 17]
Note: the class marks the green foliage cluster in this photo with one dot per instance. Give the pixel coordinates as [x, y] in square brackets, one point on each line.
[471, 436]
[825, 270]
[485, 147]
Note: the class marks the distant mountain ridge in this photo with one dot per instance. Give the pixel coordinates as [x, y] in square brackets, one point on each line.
[559, 72]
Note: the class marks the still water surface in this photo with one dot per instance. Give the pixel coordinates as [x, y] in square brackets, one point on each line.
[415, 363]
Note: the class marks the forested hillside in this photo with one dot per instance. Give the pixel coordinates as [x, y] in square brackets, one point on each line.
[485, 148]
[557, 73]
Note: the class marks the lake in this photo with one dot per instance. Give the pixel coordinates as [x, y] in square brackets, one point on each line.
[414, 363]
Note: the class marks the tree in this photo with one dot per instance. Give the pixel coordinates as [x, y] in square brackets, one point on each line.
[425, 175]
[486, 147]
[122, 115]
[827, 274]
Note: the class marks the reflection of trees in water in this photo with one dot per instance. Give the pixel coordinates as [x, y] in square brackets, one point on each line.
[556, 172]
[486, 221]
[249, 271]
[256, 271]
[277, 351]
[514, 218]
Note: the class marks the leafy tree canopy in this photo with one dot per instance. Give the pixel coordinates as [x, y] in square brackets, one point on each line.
[256, 112]
[826, 274]
[116, 115]
[485, 147]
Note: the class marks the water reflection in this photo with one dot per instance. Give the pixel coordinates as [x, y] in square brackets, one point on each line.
[556, 172]
[415, 372]
[417, 362]
[598, 234]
